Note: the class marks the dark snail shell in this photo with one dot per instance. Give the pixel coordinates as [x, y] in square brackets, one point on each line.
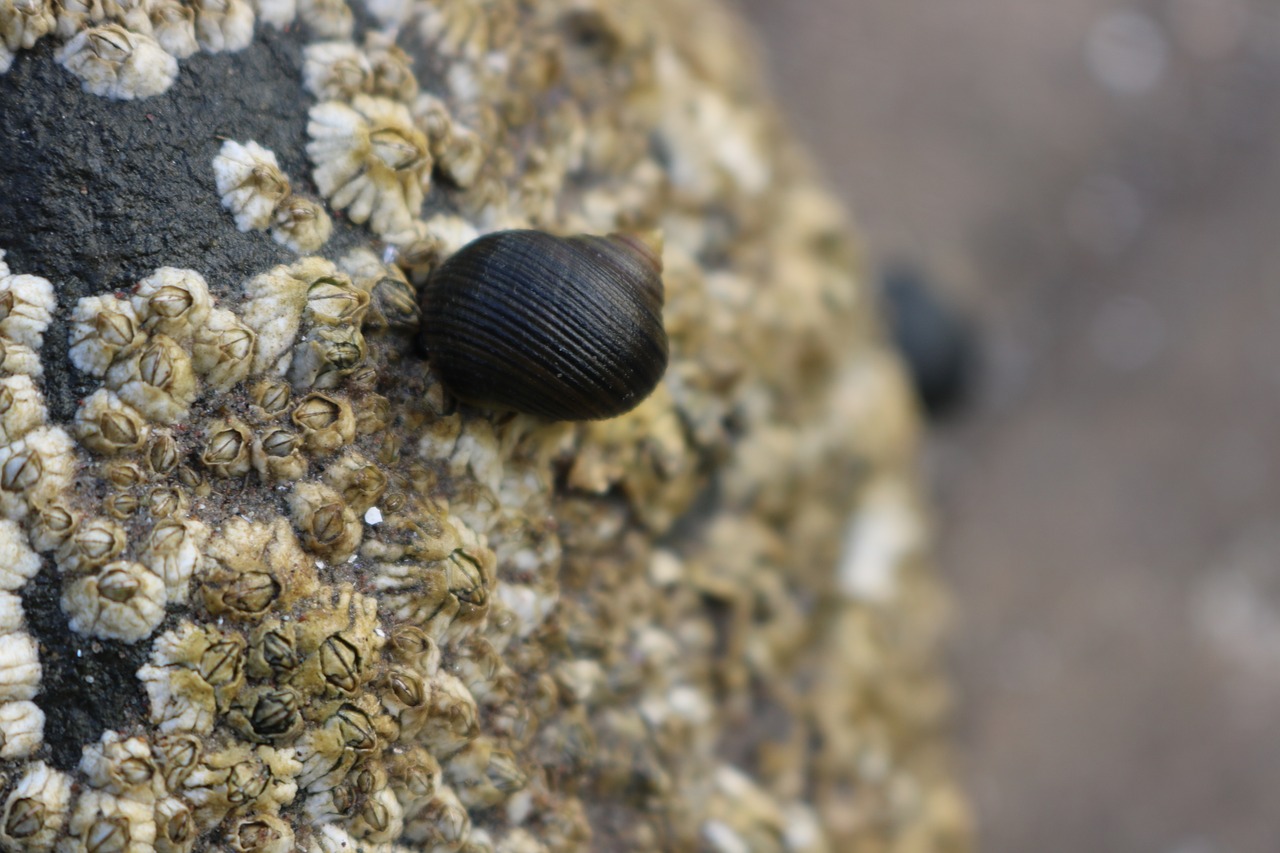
[569, 328]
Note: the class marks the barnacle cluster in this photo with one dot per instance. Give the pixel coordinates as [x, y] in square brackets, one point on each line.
[359, 615]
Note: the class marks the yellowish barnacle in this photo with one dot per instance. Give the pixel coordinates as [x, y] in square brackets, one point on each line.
[483, 774]
[165, 502]
[454, 719]
[461, 157]
[357, 480]
[22, 24]
[19, 667]
[107, 425]
[327, 18]
[96, 542]
[34, 470]
[338, 649]
[172, 551]
[227, 448]
[20, 360]
[21, 729]
[268, 714]
[261, 833]
[370, 160]
[354, 731]
[425, 243]
[335, 301]
[115, 63]
[270, 398]
[175, 826]
[223, 350]
[378, 819]
[177, 755]
[326, 356]
[120, 601]
[11, 617]
[18, 563]
[51, 522]
[157, 380]
[276, 302]
[102, 328]
[253, 567]
[277, 455]
[391, 69]
[122, 766]
[442, 823]
[194, 674]
[172, 301]
[173, 25]
[36, 809]
[251, 183]
[301, 224]
[327, 423]
[223, 25]
[459, 29]
[335, 70]
[326, 524]
[101, 821]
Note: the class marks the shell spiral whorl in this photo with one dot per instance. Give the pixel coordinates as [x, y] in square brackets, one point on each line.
[568, 328]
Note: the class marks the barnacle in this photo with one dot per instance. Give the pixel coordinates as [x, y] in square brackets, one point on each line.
[327, 18]
[173, 27]
[36, 809]
[26, 309]
[223, 350]
[19, 667]
[34, 470]
[275, 304]
[301, 225]
[175, 826]
[250, 183]
[370, 160]
[103, 821]
[18, 563]
[107, 425]
[121, 601]
[157, 380]
[227, 452]
[172, 551]
[102, 328]
[22, 24]
[327, 525]
[223, 25]
[115, 63]
[21, 729]
[123, 767]
[19, 359]
[173, 302]
[327, 423]
[335, 70]
[391, 71]
[254, 566]
[95, 542]
[277, 13]
[277, 455]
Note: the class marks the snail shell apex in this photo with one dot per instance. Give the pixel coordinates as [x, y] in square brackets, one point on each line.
[567, 328]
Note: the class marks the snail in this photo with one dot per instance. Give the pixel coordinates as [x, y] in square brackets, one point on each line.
[568, 328]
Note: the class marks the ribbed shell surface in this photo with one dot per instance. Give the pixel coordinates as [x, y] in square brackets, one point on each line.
[566, 328]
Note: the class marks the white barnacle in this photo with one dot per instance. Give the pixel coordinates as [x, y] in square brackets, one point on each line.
[35, 469]
[250, 182]
[223, 350]
[122, 766]
[101, 821]
[121, 601]
[181, 699]
[261, 833]
[74, 16]
[10, 613]
[393, 75]
[172, 550]
[115, 63]
[158, 381]
[96, 542]
[335, 70]
[172, 301]
[274, 306]
[176, 830]
[440, 236]
[21, 408]
[102, 328]
[301, 224]
[370, 160]
[223, 25]
[174, 26]
[21, 729]
[277, 13]
[19, 667]
[36, 809]
[461, 157]
[107, 425]
[327, 18]
[26, 309]
[19, 360]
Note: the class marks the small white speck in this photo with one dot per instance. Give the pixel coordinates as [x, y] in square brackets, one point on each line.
[88, 679]
[79, 653]
[380, 632]
[351, 559]
[373, 516]
[319, 564]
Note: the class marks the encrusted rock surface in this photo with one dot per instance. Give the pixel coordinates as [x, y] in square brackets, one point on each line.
[267, 586]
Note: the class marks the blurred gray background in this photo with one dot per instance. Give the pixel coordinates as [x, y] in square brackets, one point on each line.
[1097, 183]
